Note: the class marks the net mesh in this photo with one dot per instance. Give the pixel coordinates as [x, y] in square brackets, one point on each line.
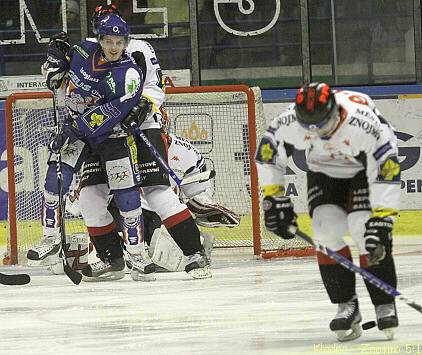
[215, 122]
[217, 125]
[32, 124]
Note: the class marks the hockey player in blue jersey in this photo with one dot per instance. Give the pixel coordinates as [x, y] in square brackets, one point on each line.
[103, 86]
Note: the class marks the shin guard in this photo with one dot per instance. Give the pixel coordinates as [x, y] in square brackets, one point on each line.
[339, 282]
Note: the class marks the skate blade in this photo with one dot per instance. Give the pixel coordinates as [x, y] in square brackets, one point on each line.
[389, 333]
[108, 276]
[200, 273]
[350, 334]
[138, 276]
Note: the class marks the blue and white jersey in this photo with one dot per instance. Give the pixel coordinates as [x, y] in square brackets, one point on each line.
[99, 94]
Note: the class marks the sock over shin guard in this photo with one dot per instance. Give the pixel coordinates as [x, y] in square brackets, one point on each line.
[106, 242]
[184, 231]
[385, 271]
[339, 282]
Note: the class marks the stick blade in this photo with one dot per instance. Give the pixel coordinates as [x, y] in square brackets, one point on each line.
[16, 279]
[73, 275]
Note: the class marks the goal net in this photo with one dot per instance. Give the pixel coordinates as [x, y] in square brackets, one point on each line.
[223, 123]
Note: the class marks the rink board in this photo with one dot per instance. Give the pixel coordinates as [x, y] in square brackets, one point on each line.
[406, 224]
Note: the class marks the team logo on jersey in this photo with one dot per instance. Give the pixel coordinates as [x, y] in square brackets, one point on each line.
[265, 152]
[96, 120]
[390, 170]
[119, 176]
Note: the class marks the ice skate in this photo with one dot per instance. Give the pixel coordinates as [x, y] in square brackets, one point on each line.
[107, 270]
[197, 266]
[143, 269]
[46, 253]
[387, 319]
[346, 323]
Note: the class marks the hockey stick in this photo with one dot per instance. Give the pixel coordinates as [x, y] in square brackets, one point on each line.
[72, 274]
[346, 263]
[14, 279]
[199, 177]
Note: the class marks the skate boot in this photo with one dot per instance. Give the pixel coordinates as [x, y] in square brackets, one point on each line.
[346, 323]
[387, 319]
[107, 270]
[46, 253]
[197, 266]
[143, 269]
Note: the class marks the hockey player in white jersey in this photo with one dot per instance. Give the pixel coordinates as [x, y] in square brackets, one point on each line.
[353, 184]
[186, 161]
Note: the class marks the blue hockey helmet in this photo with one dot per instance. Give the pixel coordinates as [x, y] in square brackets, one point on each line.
[113, 25]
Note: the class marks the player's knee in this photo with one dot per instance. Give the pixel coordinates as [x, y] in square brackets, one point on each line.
[127, 200]
[163, 201]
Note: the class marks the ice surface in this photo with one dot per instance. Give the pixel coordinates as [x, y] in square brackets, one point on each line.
[248, 307]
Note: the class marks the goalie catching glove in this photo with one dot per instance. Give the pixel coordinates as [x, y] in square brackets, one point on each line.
[280, 217]
[378, 238]
[55, 67]
[211, 214]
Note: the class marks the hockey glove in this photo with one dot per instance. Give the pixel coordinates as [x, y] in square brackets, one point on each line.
[59, 142]
[378, 238]
[279, 216]
[137, 115]
[55, 67]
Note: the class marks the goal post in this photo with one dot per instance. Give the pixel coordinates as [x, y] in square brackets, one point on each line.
[223, 122]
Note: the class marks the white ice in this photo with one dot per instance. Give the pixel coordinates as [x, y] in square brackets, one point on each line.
[248, 307]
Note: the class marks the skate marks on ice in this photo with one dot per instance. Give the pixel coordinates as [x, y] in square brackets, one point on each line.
[248, 307]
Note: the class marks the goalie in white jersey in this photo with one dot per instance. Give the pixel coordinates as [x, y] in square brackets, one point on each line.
[353, 185]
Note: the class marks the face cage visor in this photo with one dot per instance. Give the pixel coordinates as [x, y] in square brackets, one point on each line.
[324, 127]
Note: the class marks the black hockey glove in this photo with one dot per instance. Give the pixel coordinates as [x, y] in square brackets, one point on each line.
[378, 238]
[137, 115]
[55, 67]
[59, 142]
[280, 217]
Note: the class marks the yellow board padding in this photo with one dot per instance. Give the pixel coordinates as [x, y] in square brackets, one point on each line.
[410, 96]
[406, 223]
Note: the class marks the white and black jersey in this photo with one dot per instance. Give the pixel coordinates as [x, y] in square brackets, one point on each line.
[362, 141]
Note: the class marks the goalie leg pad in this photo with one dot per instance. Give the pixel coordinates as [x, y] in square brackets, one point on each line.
[165, 252]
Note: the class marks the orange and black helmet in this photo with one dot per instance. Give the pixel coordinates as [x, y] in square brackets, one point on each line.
[315, 105]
